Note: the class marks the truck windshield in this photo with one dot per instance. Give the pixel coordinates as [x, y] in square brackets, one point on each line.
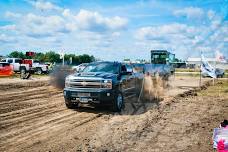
[158, 58]
[102, 67]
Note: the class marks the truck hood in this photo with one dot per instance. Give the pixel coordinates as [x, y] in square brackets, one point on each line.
[96, 74]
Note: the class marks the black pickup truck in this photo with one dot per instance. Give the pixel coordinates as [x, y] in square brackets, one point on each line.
[102, 83]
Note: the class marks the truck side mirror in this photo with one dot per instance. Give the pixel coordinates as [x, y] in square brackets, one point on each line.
[126, 72]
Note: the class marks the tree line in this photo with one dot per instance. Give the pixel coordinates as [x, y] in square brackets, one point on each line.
[51, 56]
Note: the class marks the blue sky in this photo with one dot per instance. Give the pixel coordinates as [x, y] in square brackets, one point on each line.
[114, 30]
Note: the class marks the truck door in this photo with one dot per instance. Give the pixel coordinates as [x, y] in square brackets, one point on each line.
[16, 65]
[128, 80]
[11, 62]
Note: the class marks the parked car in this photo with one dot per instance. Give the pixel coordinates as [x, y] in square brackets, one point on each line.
[102, 83]
[79, 67]
[49, 65]
[5, 69]
[218, 72]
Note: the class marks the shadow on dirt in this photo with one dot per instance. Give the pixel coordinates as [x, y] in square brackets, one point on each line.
[187, 87]
[94, 109]
[131, 107]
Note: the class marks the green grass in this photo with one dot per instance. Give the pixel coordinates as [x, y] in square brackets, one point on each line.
[219, 89]
[186, 70]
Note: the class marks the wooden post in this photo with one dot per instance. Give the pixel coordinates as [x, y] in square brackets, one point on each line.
[200, 69]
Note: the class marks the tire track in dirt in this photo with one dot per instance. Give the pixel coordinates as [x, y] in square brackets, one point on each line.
[22, 105]
[27, 102]
[21, 92]
[29, 129]
[36, 112]
[11, 85]
[25, 95]
[13, 123]
[52, 125]
[27, 99]
[17, 113]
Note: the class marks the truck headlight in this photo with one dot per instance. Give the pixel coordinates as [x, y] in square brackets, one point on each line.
[108, 83]
[67, 82]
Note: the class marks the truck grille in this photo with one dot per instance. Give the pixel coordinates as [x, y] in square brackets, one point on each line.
[86, 84]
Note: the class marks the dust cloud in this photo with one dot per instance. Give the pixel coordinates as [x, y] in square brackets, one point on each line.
[58, 76]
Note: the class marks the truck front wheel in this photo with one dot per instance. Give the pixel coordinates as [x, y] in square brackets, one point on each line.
[118, 103]
[70, 105]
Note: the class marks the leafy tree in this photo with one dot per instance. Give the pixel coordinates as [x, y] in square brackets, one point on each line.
[17, 54]
[40, 57]
[85, 58]
[51, 56]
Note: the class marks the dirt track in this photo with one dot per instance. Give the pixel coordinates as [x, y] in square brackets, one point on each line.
[36, 119]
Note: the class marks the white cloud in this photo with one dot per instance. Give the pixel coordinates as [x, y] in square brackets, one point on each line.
[184, 39]
[6, 39]
[67, 13]
[167, 33]
[84, 30]
[44, 5]
[42, 26]
[190, 13]
[211, 14]
[94, 21]
[39, 26]
[12, 15]
[8, 27]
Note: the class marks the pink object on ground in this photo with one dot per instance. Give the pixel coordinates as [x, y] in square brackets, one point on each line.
[221, 146]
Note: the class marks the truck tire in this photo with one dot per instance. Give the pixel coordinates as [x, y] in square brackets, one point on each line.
[39, 71]
[118, 102]
[22, 72]
[69, 105]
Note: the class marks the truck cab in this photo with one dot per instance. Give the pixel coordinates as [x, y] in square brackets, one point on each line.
[36, 66]
[101, 83]
[17, 64]
[161, 63]
[23, 65]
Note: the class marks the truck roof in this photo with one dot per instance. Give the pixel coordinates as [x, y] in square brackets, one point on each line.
[159, 51]
[12, 58]
[106, 62]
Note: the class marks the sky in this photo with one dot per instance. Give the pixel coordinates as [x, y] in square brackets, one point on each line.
[115, 29]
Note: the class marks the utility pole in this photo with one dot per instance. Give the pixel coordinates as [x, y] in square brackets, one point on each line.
[200, 68]
[62, 56]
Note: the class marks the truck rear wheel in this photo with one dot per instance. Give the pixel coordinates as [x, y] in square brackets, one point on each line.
[118, 103]
[39, 71]
[22, 72]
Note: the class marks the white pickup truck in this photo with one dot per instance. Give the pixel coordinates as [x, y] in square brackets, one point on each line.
[23, 65]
